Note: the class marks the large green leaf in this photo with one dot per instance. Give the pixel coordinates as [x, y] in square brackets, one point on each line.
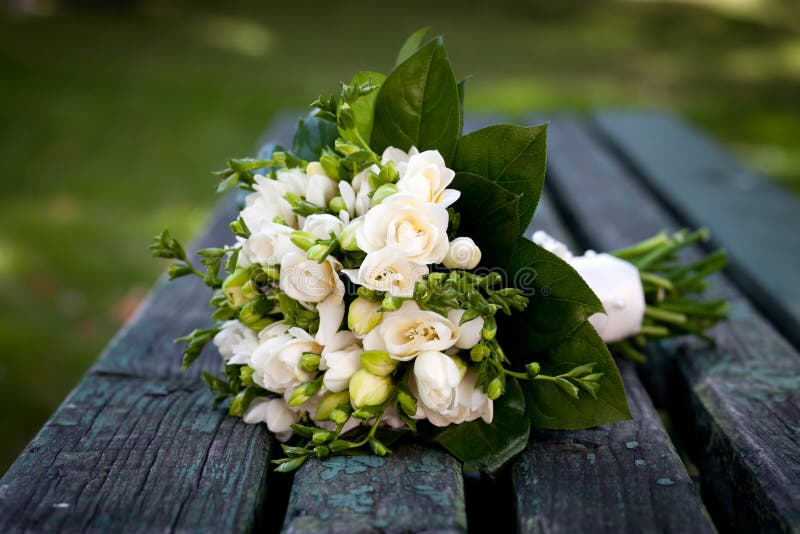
[550, 407]
[560, 300]
[487, 447]
[488, 216]
[364, 106]
[312, 135]
[512, 156]
[418, 104]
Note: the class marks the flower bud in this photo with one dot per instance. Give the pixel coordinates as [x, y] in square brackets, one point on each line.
[232, 287]
[317, 252]
[304, 240]
[384, 191]
[479, 352]
[323, 436]
[332, 402]
[489, 328]
[407, 402]
[331, 165]
[347, 239]
[463, 253]
[388, 173]
[337, 204]
[238, 405]
[250, 290]
[341, 415]
[367, 389]
[345, 117]
[309, 362]
[391, 303]
[315, 167]
[343, 147]
[246, 375]
[363, 316]
[533, 369]
[378, 447]
[495, 389]
[254, 314]
[378, 362]
[304, 392]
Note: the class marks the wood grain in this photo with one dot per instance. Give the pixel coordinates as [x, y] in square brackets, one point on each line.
[738, 403]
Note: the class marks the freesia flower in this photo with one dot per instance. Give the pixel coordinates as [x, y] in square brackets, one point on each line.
[236, 342]
[308, 280]
[469, 333]
[275, 413]
[426, 177]
[436, 376]
[462, 253]
[388, 270]
[410, 330]
[276, 361]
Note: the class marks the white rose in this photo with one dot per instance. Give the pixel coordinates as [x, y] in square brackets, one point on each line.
[236, 342]
[267, 244]
[462, 253]
[388, 270]
[470, 403]
[618, 285]
[266, 203]
[399, 157]
[307, 280]
[416, 228]
[409, 330]
[276, 362]
[469, 333]
[436, 376]
[275, 413]
[426, 176]
[322, 224]
[550, 244]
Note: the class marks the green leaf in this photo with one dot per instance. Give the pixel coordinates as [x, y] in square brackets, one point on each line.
[418, 104]
[551, 407]
[560, 300]
[312, 135]
[488, 216]
[364, 106]
[411, 45]
[487, 447]
[462, 87]
[514, 157]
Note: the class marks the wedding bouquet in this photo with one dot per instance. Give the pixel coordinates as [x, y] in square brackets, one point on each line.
[379, 283]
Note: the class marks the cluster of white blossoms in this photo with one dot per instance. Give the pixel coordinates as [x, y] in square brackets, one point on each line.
[360, 355]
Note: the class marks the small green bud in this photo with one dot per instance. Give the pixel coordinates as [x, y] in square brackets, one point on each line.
[337, 204]
[347, 239]
[330, 163]
[322, 451]
[345, 116]
[378, 362]
[304, 392]
[407, 402]
[315, 167]
[304, 240]
[323, 436]
[343, 147]
[369, 294]
[533, 369]
[273, 272]
[384, 191]
[250, 290]
[489, 328]
[391, 303]
[291, 464]
[309, 362]
[254, 314]
[363, 316]
[367, 412]
[246, 375]
[367, 389]
[341, 415]
[317, 252]
[339, 445]
[479, 352]
[388, 174]
[238, 406]
[495, 389]
[238, 227]
[331, 402]
[378, 447]
[232, 287]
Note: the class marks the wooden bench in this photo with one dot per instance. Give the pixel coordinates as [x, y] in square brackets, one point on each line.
[136, 446]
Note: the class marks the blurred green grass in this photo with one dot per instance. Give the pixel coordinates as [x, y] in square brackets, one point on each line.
[110, 122]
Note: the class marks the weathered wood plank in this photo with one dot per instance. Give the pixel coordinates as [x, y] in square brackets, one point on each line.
[753, 218]
[738, 403]
[621, 477]
[624, 477]
[139, 455]
[416, 489]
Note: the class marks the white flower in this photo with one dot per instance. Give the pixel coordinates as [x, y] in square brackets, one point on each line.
[469, 333]
[409, 330]
[388, 270]
[276, 361]
[322, 224]
[267, 244]
[341, 364]
[275, 413]
[399, 157]
[470, 404]
[416, 228]
[307, 280]
[236, 342]
[462, 253]
[272, 331]
[294, 180]
[321, 190]
[618, 285]
[426, 176]
[363, 316]
[436, 376]
[331, 313]
[550, 244]
[267, 202]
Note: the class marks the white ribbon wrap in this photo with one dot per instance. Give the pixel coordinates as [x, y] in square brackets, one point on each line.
[615, 282]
